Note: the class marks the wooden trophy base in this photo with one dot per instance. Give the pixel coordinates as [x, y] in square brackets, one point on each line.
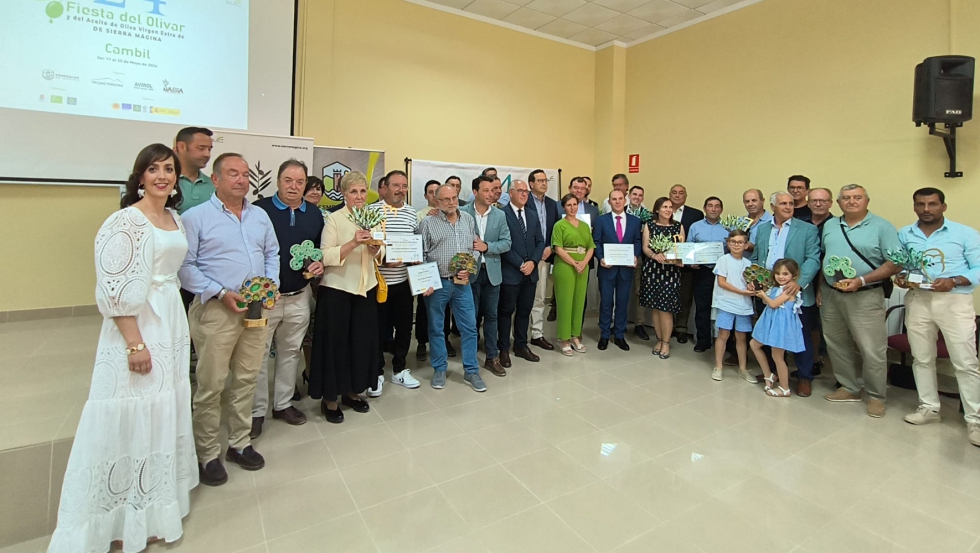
[255, 323]
[375, 242]
[461, 282]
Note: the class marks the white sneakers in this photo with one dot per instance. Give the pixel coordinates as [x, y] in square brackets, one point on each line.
[973, 433]
[381, 385]
[923, 415]
[716, 374]
[405, 379]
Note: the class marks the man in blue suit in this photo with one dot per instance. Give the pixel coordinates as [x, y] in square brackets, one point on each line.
[786, 237]
[520, 272]
[615, 282]
[547, 212]
[492, 239]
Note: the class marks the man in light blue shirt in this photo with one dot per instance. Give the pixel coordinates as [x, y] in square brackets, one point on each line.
[951, 269]
[708, 229]
[229, 240]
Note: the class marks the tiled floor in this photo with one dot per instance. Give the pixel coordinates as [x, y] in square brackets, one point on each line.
[606, 451]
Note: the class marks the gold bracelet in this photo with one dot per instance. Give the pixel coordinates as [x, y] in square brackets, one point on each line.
[138, 347]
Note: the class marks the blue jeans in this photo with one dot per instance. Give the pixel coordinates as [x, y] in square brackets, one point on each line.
[486, 297]
[460, 298]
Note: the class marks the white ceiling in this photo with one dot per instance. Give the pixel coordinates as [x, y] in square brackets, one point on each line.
[591, 23]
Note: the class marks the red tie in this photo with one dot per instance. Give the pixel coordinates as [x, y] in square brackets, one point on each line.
[619, 227]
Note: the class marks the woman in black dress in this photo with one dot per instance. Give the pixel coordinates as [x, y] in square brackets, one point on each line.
[661, 281]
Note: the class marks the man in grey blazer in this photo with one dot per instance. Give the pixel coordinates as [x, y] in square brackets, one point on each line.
[786, 237]
[492, 240]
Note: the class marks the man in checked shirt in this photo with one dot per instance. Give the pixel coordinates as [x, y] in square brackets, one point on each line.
[444, 235]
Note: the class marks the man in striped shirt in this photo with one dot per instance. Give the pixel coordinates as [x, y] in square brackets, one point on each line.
[396, 312]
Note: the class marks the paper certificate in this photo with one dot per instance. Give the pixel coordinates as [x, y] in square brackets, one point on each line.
[406, 248]
[424, 276]
[586, 218]
[618, 255]
[696, 253]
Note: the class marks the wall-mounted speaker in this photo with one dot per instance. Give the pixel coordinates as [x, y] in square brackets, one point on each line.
[943, 90]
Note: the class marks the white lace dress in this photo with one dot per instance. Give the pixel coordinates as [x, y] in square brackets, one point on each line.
[133, 463]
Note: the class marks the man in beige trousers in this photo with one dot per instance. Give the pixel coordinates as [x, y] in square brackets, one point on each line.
[229, 240]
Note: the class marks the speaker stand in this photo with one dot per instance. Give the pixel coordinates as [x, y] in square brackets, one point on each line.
[949, 139]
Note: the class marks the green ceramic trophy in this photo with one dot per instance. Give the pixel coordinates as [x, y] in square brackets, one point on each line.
[914, 265]
[304, 254]
[462, 262]
[258, 292]
[838, 269]
[758, 277]
[367, 219]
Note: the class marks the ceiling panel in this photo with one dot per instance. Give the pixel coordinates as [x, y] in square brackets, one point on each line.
[591, 23]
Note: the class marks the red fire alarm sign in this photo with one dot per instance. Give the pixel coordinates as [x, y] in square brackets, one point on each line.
[634, 164]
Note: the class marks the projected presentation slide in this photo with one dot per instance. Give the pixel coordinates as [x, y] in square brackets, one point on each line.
[166, 61]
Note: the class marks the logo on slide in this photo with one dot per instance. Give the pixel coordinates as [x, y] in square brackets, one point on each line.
[143, 86]
[54, 10]
[108, 81]
[47, 74]
[171, 89]
[50, 75]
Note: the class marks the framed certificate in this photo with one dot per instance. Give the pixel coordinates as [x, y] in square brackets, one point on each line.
[696, 253]
[424, 276]
[620, 255]
[406, 248]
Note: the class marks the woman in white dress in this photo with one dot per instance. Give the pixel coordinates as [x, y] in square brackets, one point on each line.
[133, 464]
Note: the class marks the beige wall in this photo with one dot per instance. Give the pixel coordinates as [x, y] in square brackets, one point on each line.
[425, 84]
[822, 88]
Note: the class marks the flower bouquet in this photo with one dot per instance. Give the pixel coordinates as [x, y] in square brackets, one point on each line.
[913, 264]
[662, 243]
[367, 219]
[258, 292]
[462, 262]
[838, 269]
[303, 255]
[758, 277]
[733, 222]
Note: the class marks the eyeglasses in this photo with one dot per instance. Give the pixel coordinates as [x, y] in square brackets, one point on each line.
[519, 191]
[821, 201]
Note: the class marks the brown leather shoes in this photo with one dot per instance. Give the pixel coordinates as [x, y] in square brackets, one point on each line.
[494, 366]
[527, 354]
[290, 415]
[803, 388]
[256, 427]
[542, 343]
[504, 359]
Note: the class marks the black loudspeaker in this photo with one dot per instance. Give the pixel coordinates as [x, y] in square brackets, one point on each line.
[943, 90]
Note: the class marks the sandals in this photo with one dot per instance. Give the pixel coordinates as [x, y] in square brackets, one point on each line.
[770, 381]
[579, 347]
[663, 355]
[567, 350]
[778, 391]
[657, 350]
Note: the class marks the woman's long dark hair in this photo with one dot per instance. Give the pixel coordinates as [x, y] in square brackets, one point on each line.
[147, 157]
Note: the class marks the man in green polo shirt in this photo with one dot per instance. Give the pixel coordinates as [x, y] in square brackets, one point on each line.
[853, 310]
[193, 149]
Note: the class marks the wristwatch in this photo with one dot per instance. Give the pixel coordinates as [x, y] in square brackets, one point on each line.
[221, 294]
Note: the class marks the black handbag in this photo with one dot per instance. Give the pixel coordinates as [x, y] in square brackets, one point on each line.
[887, 286]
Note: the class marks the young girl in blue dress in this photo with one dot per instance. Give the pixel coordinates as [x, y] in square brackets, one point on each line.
[779, 327]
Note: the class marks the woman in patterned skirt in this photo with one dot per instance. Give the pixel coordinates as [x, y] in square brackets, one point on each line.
[661, 281]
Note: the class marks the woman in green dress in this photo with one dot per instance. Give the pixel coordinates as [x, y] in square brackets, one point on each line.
[572, 241]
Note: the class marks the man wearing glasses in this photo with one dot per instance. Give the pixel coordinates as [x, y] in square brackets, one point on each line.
[819, 201]
[798, 186]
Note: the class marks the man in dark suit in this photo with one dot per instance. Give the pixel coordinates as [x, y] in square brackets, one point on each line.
[615, 282]
[686, 216]
[519, 269]
[787, 237]
[588, 192]
[547, 213]
[587, 211]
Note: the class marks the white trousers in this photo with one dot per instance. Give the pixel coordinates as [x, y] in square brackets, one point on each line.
[928, 313]
[540, 300]
[288, 322]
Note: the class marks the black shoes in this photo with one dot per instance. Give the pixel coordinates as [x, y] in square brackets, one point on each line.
[358, 405]
[450, 350]
[256, 427]
[421, 354]
[248, 459]
[681, 337]
[641, 332]
[701, 348]
[603, 343]
[621, 343]
[335, 416]
[212, 474]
